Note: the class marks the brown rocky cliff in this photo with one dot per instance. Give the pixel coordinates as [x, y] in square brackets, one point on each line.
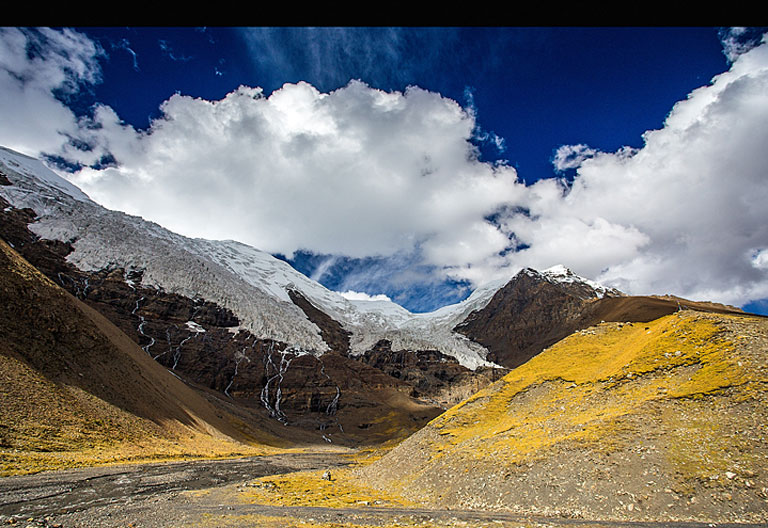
[432, 375]
[523, 318]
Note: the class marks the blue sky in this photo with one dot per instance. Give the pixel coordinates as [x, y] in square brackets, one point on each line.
[512, 147]
[536, 88]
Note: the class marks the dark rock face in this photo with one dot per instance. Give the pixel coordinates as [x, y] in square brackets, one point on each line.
[526, 316]
[331, 330]
[197, 341]
[432, 376]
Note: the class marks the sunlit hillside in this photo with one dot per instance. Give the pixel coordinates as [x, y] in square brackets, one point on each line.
[659, 420]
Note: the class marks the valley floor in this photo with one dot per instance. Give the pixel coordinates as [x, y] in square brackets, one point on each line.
[277, 491]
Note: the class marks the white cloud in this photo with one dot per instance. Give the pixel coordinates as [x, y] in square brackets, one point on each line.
[125, 45]
[361, 296]
[571, 156]
[760, 259]
[680, 215]
[739, 40]
[358, 171]
[34, 64]
[323, 268]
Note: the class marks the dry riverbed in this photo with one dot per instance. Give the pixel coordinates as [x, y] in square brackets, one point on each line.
[136, 494]
[290, 490]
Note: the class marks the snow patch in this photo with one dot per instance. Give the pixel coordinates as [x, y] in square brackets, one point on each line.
[22, 165]
[194, 327]
[563, 275]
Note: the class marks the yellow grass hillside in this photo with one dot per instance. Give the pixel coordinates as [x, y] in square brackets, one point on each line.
[659, 420]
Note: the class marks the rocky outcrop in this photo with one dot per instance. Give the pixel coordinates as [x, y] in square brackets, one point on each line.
[4, 179]
[527, 315]
[432, 376]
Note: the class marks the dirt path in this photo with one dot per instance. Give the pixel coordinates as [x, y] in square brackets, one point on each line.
[261, 516]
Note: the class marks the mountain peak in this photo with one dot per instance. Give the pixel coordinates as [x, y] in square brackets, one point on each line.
[558, 269]
[559, 274]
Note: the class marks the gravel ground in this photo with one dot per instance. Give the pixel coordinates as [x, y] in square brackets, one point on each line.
[139, 495]
[205, 494]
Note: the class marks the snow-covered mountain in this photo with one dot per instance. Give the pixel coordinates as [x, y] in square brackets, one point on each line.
[559, 274]
[251, 283]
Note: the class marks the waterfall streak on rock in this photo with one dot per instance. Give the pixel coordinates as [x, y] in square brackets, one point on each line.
[279, 371]
[239, 357]
[140, 328]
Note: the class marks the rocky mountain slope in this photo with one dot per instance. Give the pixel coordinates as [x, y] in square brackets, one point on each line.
[251, 283]
[236, 322]
[72, 383]
[664, 420]
[537, 309]
[324, 396]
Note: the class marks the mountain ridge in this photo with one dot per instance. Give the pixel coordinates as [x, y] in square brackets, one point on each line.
[245, 328]
[254, 284]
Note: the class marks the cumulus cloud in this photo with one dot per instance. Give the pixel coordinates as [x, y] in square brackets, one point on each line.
[39, 70]
[356, 172]
[683, 214]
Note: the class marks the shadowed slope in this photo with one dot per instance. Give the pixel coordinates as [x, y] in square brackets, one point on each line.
[70, 380]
